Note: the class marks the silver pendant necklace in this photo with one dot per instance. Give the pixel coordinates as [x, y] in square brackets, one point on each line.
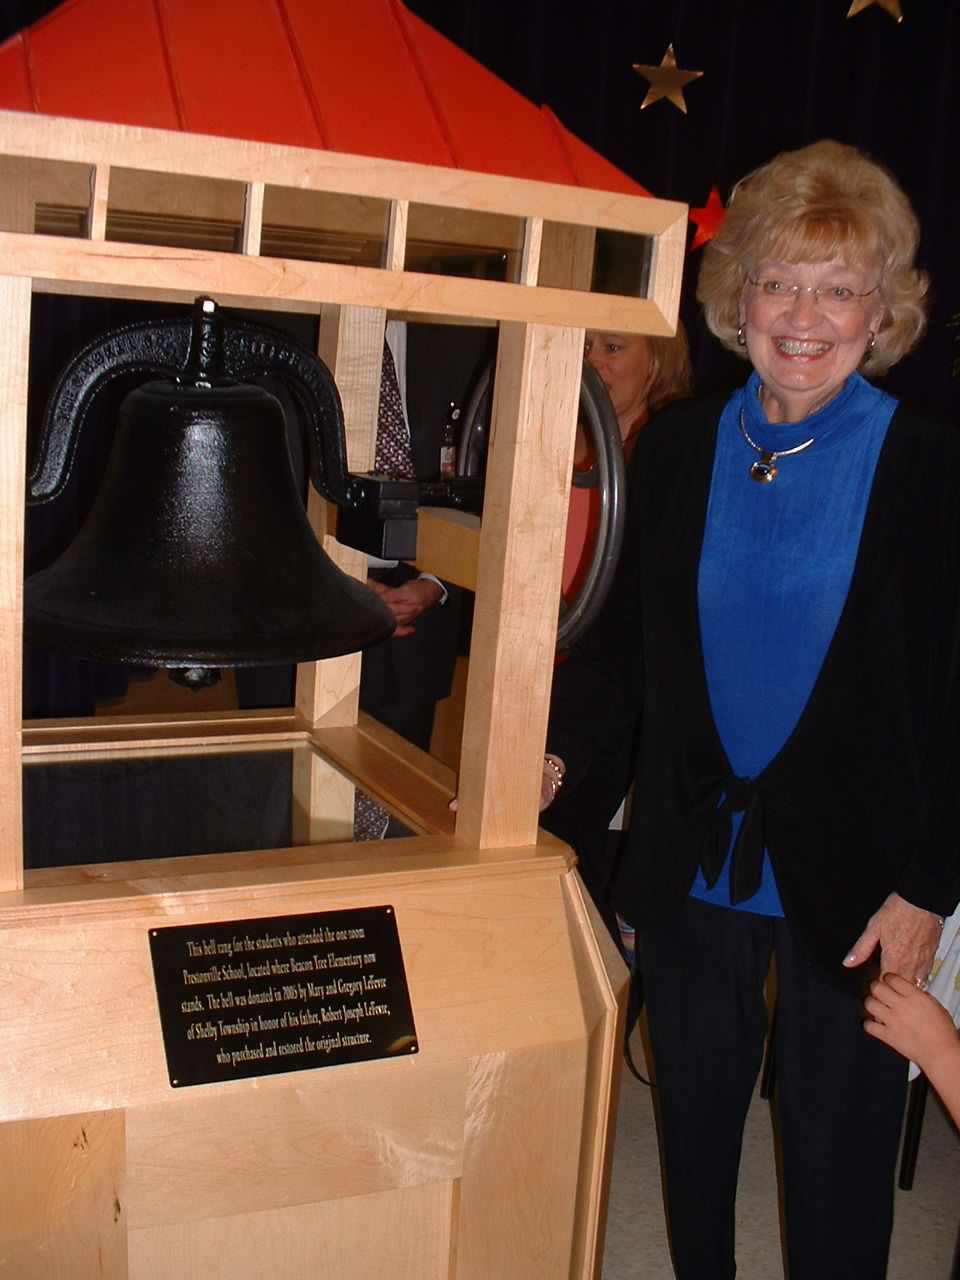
[764, 470]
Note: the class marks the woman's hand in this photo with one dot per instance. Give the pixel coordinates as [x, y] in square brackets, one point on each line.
[910, 1021]
[551, 780]
[907, 937]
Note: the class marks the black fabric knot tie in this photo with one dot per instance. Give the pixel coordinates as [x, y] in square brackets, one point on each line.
[716, 802]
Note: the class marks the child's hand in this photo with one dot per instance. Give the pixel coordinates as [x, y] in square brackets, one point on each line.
[909, 1020]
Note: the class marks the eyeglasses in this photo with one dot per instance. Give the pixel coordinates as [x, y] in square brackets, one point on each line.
[830, 297]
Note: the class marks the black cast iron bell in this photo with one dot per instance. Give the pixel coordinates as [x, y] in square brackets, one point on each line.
[197, 552]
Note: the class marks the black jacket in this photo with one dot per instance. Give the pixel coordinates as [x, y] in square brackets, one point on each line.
[862, 799]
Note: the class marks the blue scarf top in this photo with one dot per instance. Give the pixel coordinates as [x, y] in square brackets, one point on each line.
[775, 569]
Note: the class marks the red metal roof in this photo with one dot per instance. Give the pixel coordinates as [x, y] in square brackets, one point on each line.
[366, 77]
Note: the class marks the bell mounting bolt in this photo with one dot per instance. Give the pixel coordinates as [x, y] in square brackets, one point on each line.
[205, 362]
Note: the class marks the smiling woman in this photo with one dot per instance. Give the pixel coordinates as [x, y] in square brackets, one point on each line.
[796, 796]
[806, 328]
[824, 204]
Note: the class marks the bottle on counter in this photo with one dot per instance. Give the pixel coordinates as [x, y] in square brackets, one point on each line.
[448, 443]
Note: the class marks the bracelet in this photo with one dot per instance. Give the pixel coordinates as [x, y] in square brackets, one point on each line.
[554, 768]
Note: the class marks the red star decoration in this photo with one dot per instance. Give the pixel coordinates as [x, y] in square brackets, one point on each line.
[708, 219]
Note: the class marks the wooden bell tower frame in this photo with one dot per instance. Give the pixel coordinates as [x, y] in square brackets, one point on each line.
[486, 1156]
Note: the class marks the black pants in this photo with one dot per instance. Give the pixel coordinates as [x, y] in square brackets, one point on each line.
[840, 1095]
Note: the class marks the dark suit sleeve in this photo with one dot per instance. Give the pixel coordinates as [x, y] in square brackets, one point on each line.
[596, 690]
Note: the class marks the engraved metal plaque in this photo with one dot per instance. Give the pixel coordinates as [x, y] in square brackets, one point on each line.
[258, 997]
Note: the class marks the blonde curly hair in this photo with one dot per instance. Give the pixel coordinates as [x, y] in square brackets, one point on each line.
[821, 202]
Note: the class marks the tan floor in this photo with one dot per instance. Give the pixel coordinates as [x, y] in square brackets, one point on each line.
[927, 1218]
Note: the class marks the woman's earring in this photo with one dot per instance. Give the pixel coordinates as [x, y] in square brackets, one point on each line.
[741, 340]
[871, 342]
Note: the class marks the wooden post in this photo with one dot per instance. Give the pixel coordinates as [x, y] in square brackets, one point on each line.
[99, 200]
[14, 357]
[566, 256]
[252, 230]
[521, 540]
[351, 344]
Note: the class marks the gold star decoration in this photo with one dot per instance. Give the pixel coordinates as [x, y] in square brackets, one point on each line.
[666, 81]
[890, 6]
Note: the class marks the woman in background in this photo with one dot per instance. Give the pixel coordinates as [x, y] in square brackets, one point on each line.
[642, 375]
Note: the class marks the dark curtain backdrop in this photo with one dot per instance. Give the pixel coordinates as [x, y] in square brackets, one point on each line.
[777, 74]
